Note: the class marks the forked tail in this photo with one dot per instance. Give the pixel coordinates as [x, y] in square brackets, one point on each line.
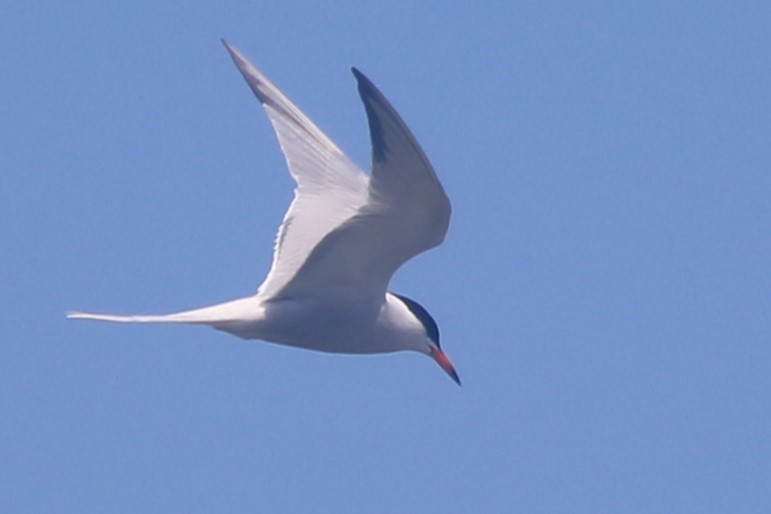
[244, 309]
[144, 318]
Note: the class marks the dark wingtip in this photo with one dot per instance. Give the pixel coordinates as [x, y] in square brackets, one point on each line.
[366, 86]
[370, 96]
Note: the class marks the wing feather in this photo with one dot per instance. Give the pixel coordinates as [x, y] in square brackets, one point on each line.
[407, 213]
[330, 187]
[346, 232]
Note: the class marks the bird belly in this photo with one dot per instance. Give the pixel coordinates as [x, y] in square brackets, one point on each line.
[326, 326]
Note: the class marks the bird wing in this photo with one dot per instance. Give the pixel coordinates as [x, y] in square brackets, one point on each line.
[346, 233]
[407, 212]
[329, 190]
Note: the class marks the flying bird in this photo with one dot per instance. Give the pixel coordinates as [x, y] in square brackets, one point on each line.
[345, 234]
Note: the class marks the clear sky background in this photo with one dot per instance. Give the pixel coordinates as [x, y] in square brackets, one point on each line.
[604, 290]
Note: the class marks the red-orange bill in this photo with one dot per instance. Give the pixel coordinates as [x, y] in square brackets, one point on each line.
[443, 360]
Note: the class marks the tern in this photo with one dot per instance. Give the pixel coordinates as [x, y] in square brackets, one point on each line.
[345, 234]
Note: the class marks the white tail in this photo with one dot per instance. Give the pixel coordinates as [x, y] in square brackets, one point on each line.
[244, 309]
[161, 318]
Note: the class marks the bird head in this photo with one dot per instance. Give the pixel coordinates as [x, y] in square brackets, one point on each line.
[431, 329]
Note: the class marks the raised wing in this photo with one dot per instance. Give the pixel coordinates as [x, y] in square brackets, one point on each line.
[330, 190]
[407, 212]
[403, 181]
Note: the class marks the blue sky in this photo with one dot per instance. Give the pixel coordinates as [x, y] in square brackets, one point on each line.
[604, 291]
